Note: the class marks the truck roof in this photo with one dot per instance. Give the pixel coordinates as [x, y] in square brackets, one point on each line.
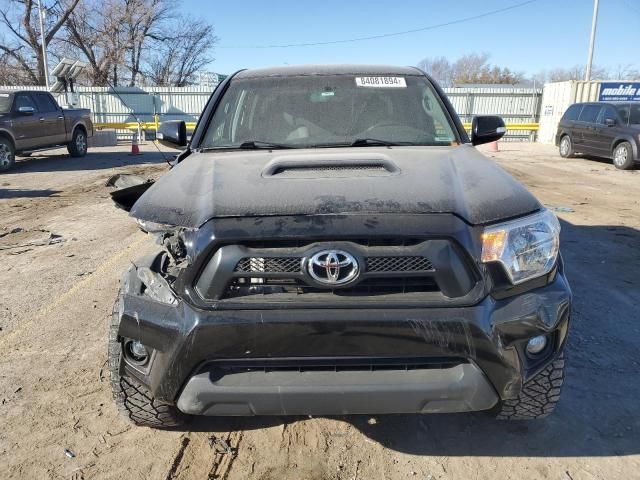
[304, 70]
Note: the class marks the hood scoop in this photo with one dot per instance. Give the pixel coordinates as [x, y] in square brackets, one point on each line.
[330, 167]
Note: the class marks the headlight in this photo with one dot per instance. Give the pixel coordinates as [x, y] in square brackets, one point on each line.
[153, 227]
[527, 247]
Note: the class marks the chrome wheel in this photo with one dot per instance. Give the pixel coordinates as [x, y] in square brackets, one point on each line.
[565, 146]
[81, 143]
[620, 156]
[6, 156]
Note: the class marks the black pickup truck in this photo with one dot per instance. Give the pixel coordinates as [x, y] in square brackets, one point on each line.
[33, 120]
[334, 244]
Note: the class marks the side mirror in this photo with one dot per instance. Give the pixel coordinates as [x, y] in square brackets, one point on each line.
[172, 134]
[26, 110]
[487, 128]
[609, 122]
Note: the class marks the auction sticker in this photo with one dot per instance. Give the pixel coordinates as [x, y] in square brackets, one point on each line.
[381, 82]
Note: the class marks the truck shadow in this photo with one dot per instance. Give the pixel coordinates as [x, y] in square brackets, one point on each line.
[599, 413]
[96, 159]
[8, 193]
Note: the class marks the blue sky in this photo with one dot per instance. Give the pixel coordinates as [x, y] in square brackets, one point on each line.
[542, 35]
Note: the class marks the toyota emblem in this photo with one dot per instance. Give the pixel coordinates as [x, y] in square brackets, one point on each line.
[333, 267]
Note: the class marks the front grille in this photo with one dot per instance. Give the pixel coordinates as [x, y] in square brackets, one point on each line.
[426, 270]
[399, 264]
[269, 265]
[294, 264]
[241, 287]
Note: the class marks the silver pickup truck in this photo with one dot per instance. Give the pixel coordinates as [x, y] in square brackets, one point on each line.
[33, 120]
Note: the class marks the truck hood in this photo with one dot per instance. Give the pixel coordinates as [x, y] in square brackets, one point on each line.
[409, 180]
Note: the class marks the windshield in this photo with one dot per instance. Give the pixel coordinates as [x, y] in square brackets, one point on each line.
[329, 110]
[5, 103]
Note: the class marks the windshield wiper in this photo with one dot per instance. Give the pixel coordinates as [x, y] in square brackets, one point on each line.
[257, 144]
[365, 142]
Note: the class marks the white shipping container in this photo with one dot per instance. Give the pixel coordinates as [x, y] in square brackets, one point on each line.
[556, 98]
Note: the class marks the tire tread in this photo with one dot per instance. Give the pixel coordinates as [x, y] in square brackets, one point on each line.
[134, 401]
[538, 397]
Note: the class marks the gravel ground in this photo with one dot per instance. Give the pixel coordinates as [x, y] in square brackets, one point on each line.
[64, 247]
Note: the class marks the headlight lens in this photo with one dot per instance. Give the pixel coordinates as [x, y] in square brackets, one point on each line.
[527, 248]
[153, 227]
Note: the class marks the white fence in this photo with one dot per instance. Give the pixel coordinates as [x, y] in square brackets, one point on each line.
[513, 104]
[132, 104]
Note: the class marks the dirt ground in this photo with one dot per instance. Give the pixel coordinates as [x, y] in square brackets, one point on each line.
[64, 246]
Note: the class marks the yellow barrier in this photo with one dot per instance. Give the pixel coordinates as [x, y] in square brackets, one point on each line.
[192, 125]
[134, 125]
[512, 126]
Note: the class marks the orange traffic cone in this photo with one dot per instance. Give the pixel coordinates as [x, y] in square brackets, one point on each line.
[135, 150]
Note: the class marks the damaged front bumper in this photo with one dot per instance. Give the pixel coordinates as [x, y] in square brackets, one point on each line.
[339, 361]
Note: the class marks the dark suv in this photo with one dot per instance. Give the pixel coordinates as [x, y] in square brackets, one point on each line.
[608, 130]
[333, 243]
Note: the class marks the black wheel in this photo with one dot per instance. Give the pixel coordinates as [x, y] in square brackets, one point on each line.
[623, 156]
[134, 401]
[566, 147]
[78, 145]
[539, 395]
[7, 154]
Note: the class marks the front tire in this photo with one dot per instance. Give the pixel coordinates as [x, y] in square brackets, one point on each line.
[7, 155]
[78, 145]
[566, 147]
[538, 397]
[134, 400]
[623, 156]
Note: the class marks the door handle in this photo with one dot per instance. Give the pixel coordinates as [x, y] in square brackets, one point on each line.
[60, 117]
[42, 119]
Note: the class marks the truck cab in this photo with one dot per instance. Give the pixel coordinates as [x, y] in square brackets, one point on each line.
[33, 120]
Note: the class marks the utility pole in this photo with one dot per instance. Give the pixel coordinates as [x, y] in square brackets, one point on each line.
[594, 24]
[44, 45]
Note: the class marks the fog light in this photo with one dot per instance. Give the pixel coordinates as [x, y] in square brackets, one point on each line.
[137, 351]
[536, 345]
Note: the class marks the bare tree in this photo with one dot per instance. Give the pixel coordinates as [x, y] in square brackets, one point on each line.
[98, 39]
[439, 68]
[470, 68]
[624, 72]
[144, 23]
[125, 42]
[22, 45]
[186, 51]
[475, 68]
[575, 72]
[135, 40]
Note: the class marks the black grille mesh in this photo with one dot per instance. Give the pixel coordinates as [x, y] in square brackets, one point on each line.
[269, 265]
[398, 264]
[294, 264]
